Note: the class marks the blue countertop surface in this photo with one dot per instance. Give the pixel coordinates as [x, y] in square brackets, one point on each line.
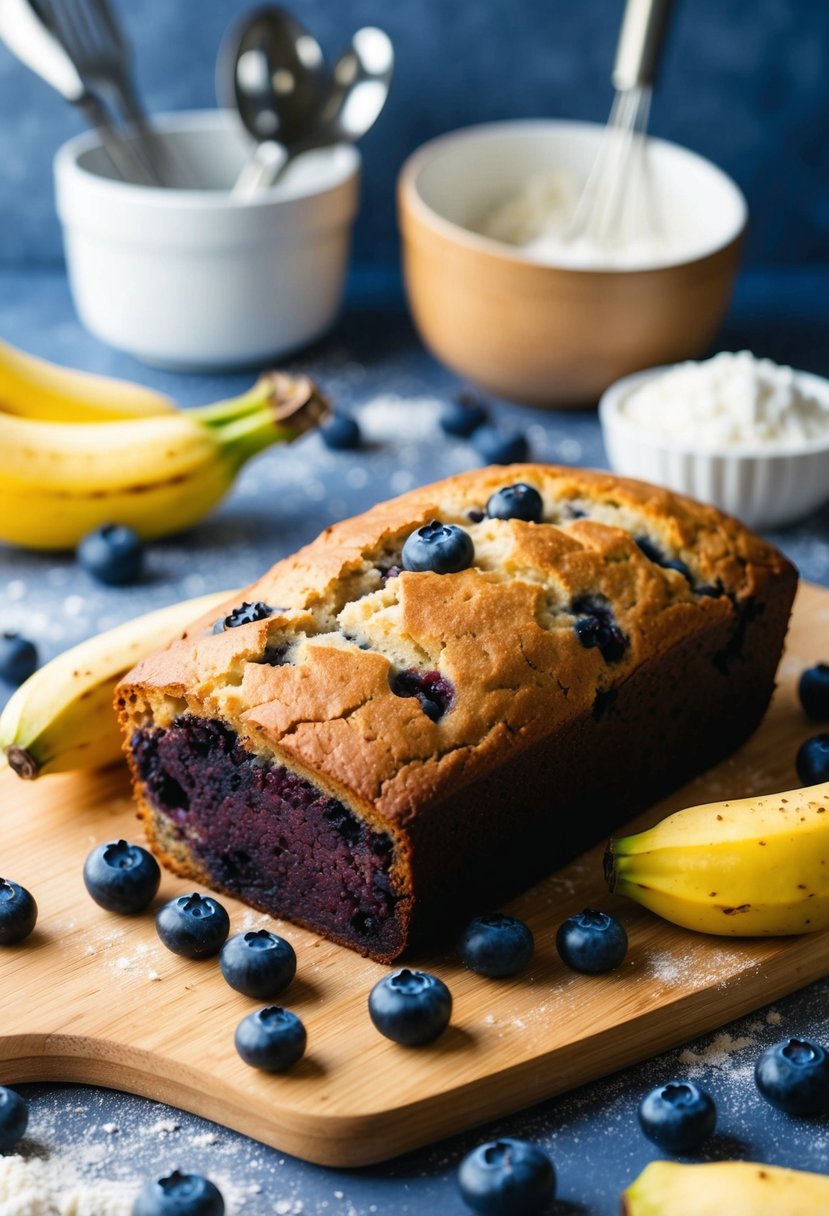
[374, 364]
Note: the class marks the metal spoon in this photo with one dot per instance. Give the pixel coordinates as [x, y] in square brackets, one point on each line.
[272, 71]
[360, 85]
[357, 92]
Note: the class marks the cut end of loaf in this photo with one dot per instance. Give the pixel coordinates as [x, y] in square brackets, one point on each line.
[220, 814]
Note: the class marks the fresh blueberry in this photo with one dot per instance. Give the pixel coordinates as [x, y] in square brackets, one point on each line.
[507, 1178]
[495, 448]
[434, 692]
[814, 691]
[121, 877]
[195, 926]
[18, 912]
[18, 658]
[678, 1116]
[340, 433]
[112, 554]
[410, 1007]
[14, 1118]
[516, 502]
[442, 548]
[245, 614]
[812, 760]
[258, 963]
[179, 1195]
[496, 945]
[794, 1076]
[272, 1039]
[462, 417]
[591, 941]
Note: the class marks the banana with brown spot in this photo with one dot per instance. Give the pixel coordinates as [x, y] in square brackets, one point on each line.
[751, 867]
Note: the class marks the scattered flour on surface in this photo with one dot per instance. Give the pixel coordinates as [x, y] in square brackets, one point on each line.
[717, 1054]
[50, 1186]
[773, 1017]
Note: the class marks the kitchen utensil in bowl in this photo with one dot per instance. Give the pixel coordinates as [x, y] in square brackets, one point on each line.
[546, 334]
[196, 279]
[28, 36]
[616, 204]
[271, 69]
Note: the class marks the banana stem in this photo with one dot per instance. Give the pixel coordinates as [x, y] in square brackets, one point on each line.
[287, 408]
[280, 393]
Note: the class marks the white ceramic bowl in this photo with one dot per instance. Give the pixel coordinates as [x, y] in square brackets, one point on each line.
[763, 486]
[191, 278]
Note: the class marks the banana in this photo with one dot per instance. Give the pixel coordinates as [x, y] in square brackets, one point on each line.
[33, 388]
[754, 867]
[158, 475]
[62, 717]
[735, 1188]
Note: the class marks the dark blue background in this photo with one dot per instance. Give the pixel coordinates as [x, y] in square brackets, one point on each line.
[744, 83]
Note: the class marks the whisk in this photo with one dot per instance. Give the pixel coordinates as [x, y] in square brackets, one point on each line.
[616, 207]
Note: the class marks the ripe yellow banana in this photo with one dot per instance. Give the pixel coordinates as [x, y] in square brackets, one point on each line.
[62, 717]
[754, 867]
[33, 388]
[725, 1188]
[158, 475]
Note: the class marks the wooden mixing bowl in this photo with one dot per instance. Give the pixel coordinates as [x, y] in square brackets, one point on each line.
[549, 335]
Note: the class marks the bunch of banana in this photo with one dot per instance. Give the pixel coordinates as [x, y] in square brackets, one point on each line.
[154, 468]
[725, 1188]
[754, 867]
[32, 388]
[62, 717]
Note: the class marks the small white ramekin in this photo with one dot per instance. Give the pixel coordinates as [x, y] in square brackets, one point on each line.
[763, 486]
[193, 278]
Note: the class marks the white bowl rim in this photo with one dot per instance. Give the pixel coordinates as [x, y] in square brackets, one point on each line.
[428, 152]
[611, 415]
[67, 165]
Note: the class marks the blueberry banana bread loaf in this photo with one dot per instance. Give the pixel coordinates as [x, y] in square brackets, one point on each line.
[439, 701]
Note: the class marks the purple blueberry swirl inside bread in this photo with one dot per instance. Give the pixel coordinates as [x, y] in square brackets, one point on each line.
[267, 835]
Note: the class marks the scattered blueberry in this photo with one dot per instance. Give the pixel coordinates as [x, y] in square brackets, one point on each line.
[340, 433]
[812, 760]
[121, 877]
[272, 1039]
[591, 941]
[14, 1118]
[179, 1195]
[462, 417]
[495, 448]
[678, 1116]
[410, 1007]
[794, 1076]
[442, 548]
[814, 691]
[258, 963]
[516, 502]
[496, 945]
[112, 554]
[433, 691]
[18, 658]
[194, 926]
[245, 614]
[18, 912]
[507, 1178]
[597, 626]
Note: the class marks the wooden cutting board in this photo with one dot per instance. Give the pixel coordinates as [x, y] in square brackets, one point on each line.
[92, 997]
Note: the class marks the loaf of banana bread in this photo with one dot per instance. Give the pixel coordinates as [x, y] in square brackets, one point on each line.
[437, 702]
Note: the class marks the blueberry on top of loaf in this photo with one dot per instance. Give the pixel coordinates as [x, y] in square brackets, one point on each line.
[395, 690]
